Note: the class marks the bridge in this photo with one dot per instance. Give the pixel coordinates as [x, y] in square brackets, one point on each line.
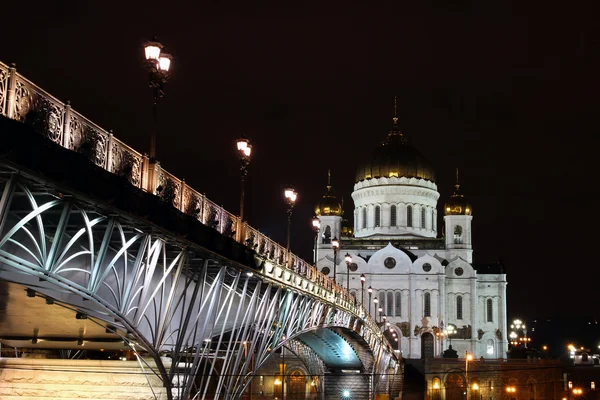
[103, 249]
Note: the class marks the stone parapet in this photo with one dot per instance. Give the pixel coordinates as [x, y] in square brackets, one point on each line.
[47, 379]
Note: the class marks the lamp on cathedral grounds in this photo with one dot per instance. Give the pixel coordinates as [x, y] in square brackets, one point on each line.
[244, 150]
[449, 331]
[363, 279]
[316, 224]
[370, 291]
[335, 245]
[290, 196]
[158, 64]
[348, 259]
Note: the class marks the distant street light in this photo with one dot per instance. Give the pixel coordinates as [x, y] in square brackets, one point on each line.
[290, 199]
[363, 279]
[316, 223]
[335, 245]
[370, 291]
[450, 330]
[244, 149]
[158, 64]
[348, 259]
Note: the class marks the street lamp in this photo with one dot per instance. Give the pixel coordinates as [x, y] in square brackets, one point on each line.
[290, 199]
[468, 357]
[335, 244]
[244, 149]
[158, 64]
[375, 301]
[316, 223]
[363, 279]
[380, 310]
[370, 291]
[348, 258]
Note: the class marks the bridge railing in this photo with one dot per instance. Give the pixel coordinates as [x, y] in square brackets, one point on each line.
[22, 100]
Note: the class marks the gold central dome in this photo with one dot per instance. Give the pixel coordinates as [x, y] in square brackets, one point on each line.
[395, 158]
[329, 205]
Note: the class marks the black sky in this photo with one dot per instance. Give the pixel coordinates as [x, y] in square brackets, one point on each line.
[506, 91]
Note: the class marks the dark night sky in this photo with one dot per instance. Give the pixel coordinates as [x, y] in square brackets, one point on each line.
[508, 92]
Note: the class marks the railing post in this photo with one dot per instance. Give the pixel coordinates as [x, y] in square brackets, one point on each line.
[153, 174]
[109, 153]
[11, 93]
[181, 197]
[67, 125]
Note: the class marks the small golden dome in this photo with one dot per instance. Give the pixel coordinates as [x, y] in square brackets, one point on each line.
[395, 158]
[457, 204]
[329, 204]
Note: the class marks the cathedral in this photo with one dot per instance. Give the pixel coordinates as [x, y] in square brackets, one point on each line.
[423, 287]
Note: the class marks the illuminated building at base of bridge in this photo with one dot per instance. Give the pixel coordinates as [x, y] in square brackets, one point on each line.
[426, 284]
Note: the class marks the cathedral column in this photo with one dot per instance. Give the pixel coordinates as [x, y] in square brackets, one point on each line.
[474, 319]
[442, 302]
[412, 317]
[502, 320]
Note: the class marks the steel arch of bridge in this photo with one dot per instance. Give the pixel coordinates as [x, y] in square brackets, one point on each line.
[166, 296]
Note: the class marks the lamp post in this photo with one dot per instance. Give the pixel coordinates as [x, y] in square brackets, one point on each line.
[290, 199]
[468, 357]
[375, 301]
[370, 291]
[380, 311]
[348, 258]
[363, 279]
[158, 64]
[316, 223]
[244, 149]
[335, 245]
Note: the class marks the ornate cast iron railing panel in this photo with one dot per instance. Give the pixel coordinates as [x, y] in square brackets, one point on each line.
[168, 295]
[3, 87]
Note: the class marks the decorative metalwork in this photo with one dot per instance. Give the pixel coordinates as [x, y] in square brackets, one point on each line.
[39, 110]
[88, 139]
[172, 297]
[3, 88]
[168, 188]
[126, 163]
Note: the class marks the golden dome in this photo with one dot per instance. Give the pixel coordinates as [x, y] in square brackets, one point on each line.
[457, 204]
[329, 205]
[395, 158]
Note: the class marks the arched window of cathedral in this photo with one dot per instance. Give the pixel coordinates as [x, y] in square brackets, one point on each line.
[432, 220]
[458, 231]
[393, 216]
[409, 216]
[459, 307]
[364, 218]
[327, 235]
[398, 304]
[490, 316]
[423, 218]
[377, 216]
[382, 300]
[427, 305]
[390, 304]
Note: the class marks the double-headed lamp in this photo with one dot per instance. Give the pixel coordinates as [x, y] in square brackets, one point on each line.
[244, 147]
[348, 258]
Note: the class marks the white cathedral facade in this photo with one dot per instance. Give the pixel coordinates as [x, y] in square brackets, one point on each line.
[427, 286]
